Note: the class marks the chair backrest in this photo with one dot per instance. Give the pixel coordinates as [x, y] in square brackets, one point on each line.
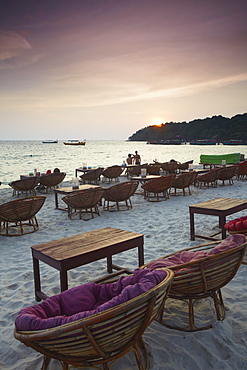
[83, 199]
[228, 172]
[184, 180]
[112, 172]
[104, 336]
[121, 191]
[25, 184]
[159, 184]
[242, 169]
[184, 166]
[153, 169]
[170, 166]
[92, 175]
[21, 209]
[52, 179]
[210, 176]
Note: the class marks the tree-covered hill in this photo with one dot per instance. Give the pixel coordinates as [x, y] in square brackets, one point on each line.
[216, 128]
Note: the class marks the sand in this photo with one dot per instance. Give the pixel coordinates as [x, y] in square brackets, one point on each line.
[165, 226]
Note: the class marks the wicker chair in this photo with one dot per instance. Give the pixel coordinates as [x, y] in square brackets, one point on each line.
[92, 176]
[227, 173]
[185, 165]
[242, 171]
[153, 169]
[120, 193]
[18, 217]
[52, 180]
[104, 337]
[85, 201]
[25, 186]
[157, 189]
[133, 171]
[112, 173]
[200, 279]
[209, 178]
[183, 181]
[170, 167]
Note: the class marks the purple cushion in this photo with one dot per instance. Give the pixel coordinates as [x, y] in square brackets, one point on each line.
[188, 256]
[86, 300]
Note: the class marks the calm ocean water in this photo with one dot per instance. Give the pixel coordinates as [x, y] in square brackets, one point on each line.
[22, 157]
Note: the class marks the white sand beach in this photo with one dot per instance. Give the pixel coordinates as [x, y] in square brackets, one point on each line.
[165, 226]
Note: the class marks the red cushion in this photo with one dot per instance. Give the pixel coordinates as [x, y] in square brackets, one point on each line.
[237, 225]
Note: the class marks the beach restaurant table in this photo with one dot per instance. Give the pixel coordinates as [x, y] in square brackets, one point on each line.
[143, 179]
[78, 250]
[69, 190]
[220, 207]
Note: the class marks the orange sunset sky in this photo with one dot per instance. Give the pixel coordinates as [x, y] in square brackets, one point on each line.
[103, 69]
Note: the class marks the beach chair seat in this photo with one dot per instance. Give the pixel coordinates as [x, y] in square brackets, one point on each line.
[209, 178]
[84, 201]
[201, 272]
[94, 324]
[227, 173]
[118, 193]
[242, 171]
[18, 217]
[157, 189]
[92, 176]
[25, 186]
[51, 180]
[184, 181]
[112, 173]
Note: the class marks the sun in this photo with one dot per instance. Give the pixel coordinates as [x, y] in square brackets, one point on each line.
[157, 122]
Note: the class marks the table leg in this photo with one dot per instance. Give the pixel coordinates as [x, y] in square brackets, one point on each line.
[56, 200]
[141, 255]
[192, 226]
[36, 273]
[109, 264]
[222, 221]
[63, 280]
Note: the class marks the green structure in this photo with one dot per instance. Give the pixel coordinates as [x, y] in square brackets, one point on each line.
[217, 159]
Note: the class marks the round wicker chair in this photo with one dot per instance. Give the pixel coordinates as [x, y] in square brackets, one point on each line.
[103, 337]
[92, 176]
[183, 181]
[157, 189]
[185, 165]
[52, 180]
[170, 167]
[112, 173]
[120, 193]
[84, 201]
[227, 173]
[153, 169]
[199, 279]
[25, 186]
[209, 178]
[242, 171]
[18, 216]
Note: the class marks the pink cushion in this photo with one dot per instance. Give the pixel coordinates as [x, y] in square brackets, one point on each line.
[188, 256]
[86, 300]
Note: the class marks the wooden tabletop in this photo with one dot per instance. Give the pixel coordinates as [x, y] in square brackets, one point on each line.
[146, 178]
[92, 241]
[69, 189]
[220, 204]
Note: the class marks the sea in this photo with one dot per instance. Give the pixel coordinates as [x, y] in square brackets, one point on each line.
[23, 157]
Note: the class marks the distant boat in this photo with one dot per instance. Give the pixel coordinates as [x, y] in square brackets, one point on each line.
[50, 141]
[166, 142]
[234, 142]
[203, 142]
[74, 142]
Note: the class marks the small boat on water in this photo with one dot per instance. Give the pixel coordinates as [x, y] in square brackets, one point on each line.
[234, 142]
[50, 141]
[203, 142]
[166, 142]
[74, 142]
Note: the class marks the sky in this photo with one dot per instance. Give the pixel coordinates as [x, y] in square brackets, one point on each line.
[104, 69]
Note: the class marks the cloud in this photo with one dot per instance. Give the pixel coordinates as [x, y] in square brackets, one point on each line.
[15, 51]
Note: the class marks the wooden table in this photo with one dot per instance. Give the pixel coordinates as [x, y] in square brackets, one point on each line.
[220, 207]
[69, 190]
[78, 250]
